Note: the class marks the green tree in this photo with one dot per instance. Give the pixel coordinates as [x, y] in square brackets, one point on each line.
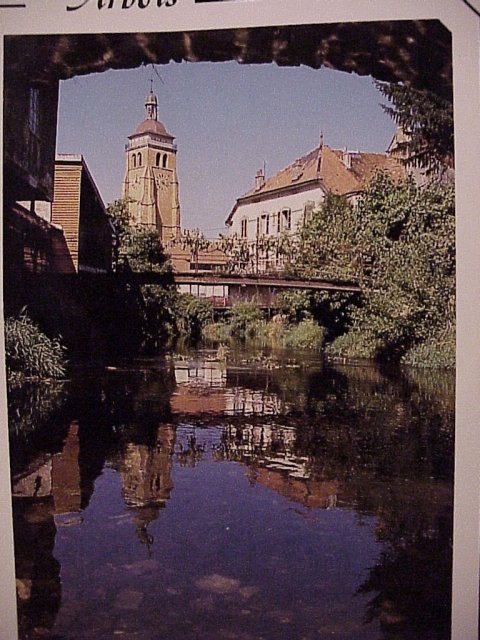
[196, 241]
[192, 314]
[406, 235]
[137, 247]
[326, 245]
[237, 251]
[244, 319]
[427, 121]
[140, 249]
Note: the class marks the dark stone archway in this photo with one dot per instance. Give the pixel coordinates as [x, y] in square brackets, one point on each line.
[418, 53]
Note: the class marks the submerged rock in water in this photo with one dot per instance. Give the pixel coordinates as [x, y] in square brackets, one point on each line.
[128, 599]
[218, 584]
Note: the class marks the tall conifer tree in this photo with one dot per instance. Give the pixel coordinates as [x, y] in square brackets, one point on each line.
[427, 122]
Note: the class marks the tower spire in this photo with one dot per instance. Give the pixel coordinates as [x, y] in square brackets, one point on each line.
[151, 104]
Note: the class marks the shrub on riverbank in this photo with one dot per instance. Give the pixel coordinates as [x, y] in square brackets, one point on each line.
[245, 320]
[29, 353]
[305, 335]
[437, 351]
[192, 315]
[216, 332]
[355, 345]
[398, 240]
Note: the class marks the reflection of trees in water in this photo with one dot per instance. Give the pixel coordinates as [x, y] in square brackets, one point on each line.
[383, 441]
[30, 405]
[377, 424]
[344, 437]
[412, 578]
[137, 400]
[190, 452]
[35, 421]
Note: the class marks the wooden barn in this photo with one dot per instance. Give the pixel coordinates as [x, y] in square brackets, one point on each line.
[79, 210]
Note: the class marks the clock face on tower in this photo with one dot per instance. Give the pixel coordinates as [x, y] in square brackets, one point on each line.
[162, 181]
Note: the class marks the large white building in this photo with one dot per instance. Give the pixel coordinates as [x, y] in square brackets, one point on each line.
[281, 203]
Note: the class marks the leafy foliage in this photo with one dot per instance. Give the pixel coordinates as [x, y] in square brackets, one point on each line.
[437, 351]
[295, 305]
[140, 249]
[137, 248]
[244, 319]
[308, 334]
[427, 121]
[194, 240]
[30, 353]
[193, 314]
[327, 245]
[406, 237]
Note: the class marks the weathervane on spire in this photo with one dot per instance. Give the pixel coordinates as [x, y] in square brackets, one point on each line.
[320, 153]
[151, 104]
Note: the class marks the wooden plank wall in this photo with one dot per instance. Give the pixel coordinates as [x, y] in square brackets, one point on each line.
[66, 210]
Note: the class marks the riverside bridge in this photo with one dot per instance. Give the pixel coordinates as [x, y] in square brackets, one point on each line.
[226, 289]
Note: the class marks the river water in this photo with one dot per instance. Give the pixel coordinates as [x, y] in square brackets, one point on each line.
[265, 497]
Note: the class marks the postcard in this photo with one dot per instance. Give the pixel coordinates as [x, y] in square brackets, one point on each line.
[240, 258]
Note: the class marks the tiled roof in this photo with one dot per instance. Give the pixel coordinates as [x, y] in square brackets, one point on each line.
[327, 166]
[302, 170]
[151, 126]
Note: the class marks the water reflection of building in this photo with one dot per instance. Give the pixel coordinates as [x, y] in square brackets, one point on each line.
[247, 402]
[56, 475]
[273, 446]
[203, 386]
[200, 387]
[270, 452]
[39, 589]
[210, 373]
[47, 494]
[147, 479]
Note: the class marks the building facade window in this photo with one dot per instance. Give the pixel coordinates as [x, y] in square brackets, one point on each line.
[243, 228]
[265, 224]
[164, 162]
[139, 159]
[134, 158]
[157, 160]
[286, 219]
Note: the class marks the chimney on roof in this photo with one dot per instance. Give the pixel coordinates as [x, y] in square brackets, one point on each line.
[347, 158]
[259, 179]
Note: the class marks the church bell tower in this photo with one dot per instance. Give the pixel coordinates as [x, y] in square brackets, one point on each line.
[151, 185]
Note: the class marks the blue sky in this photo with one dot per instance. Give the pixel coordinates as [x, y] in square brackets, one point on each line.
[228, 119]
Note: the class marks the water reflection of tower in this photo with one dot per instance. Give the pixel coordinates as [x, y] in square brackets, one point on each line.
[147, 479]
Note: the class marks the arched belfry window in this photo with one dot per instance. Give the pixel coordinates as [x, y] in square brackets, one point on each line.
[164, 162]
[157, 160]
[139, 159]
[134, 158]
